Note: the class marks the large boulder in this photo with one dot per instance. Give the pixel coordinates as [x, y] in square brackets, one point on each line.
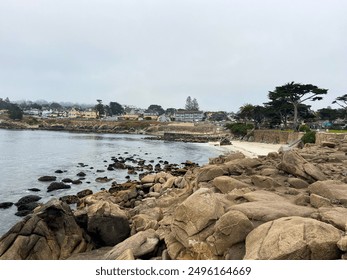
[208, 173]
[293, 163]
[335, 191]
[142, 243]
[105, 222]
[293, 238]
[51, 233]
[230, 229]
[197, 212]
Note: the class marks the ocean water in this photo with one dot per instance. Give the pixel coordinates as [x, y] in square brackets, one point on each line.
[27, 155]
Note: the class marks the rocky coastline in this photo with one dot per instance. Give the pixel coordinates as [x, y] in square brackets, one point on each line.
[288, 205]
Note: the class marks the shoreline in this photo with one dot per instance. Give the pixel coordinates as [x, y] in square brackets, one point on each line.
[251, 149]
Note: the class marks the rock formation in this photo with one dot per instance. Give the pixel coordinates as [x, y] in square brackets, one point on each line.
[287, 205]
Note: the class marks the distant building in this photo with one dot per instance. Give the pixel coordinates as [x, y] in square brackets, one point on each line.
[129, 117]
[164, 118]
[189, 116]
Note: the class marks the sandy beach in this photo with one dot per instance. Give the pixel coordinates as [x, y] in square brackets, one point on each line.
[252, 149]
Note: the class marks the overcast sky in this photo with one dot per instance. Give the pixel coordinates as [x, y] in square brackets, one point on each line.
[224, 53]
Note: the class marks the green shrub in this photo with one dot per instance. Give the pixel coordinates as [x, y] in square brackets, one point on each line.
[304, 128]
[239, 129]
[309, 137]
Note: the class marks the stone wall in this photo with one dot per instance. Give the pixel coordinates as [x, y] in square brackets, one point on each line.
[324, 136]
[276, 136]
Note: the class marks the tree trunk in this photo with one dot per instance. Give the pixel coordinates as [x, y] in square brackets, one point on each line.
[296, 127]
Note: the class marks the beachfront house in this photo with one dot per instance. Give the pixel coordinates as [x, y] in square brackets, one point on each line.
[189, 116]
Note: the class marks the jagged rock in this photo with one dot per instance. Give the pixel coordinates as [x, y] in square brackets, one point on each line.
[295, 164]
[27, 199]
[50, 233]
[208, 173]
[293, 238]
[335, 191]
[336, 216]
[141, 243]
[230, 229]
[57, 186]
[226, 184]
[47, 178]
[265, 211]
[148, 179]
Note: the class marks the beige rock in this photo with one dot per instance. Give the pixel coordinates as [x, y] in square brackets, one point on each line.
[148, 179]
[140, 244]
[226, 184]
[297, 183]
[293, 238]
[268, 211]
[142, 222]
[51, 233]
[208, 173]
[335, 191]
[263, 195]
[197, 212]
[295, 164]
[337, 216]
[264, 182]
[126, 255]
[230, 229]
[318, 201]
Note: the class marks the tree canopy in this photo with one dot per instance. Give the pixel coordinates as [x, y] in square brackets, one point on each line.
[192, 104]
[296, 94]
[116, 108]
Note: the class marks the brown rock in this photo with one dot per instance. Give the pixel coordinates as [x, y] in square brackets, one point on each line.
[226, 184]
[293, 238]
[335, 191]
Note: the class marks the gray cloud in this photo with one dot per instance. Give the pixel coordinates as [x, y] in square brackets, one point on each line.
[225, 53]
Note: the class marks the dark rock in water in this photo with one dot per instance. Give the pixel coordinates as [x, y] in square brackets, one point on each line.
[47, 178]
[5, 205]
[23, 213]
[76, 182]
[100, 171]
[110, 168]
[81, 174]
[70, 199]
[225, 141]
[51, 233]
[119, 165]
[34, 190]
[29, 206]
[28, 199]
[67, 180]
[57, 186]
[84, 193]
[59, 171]
[103, 179]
